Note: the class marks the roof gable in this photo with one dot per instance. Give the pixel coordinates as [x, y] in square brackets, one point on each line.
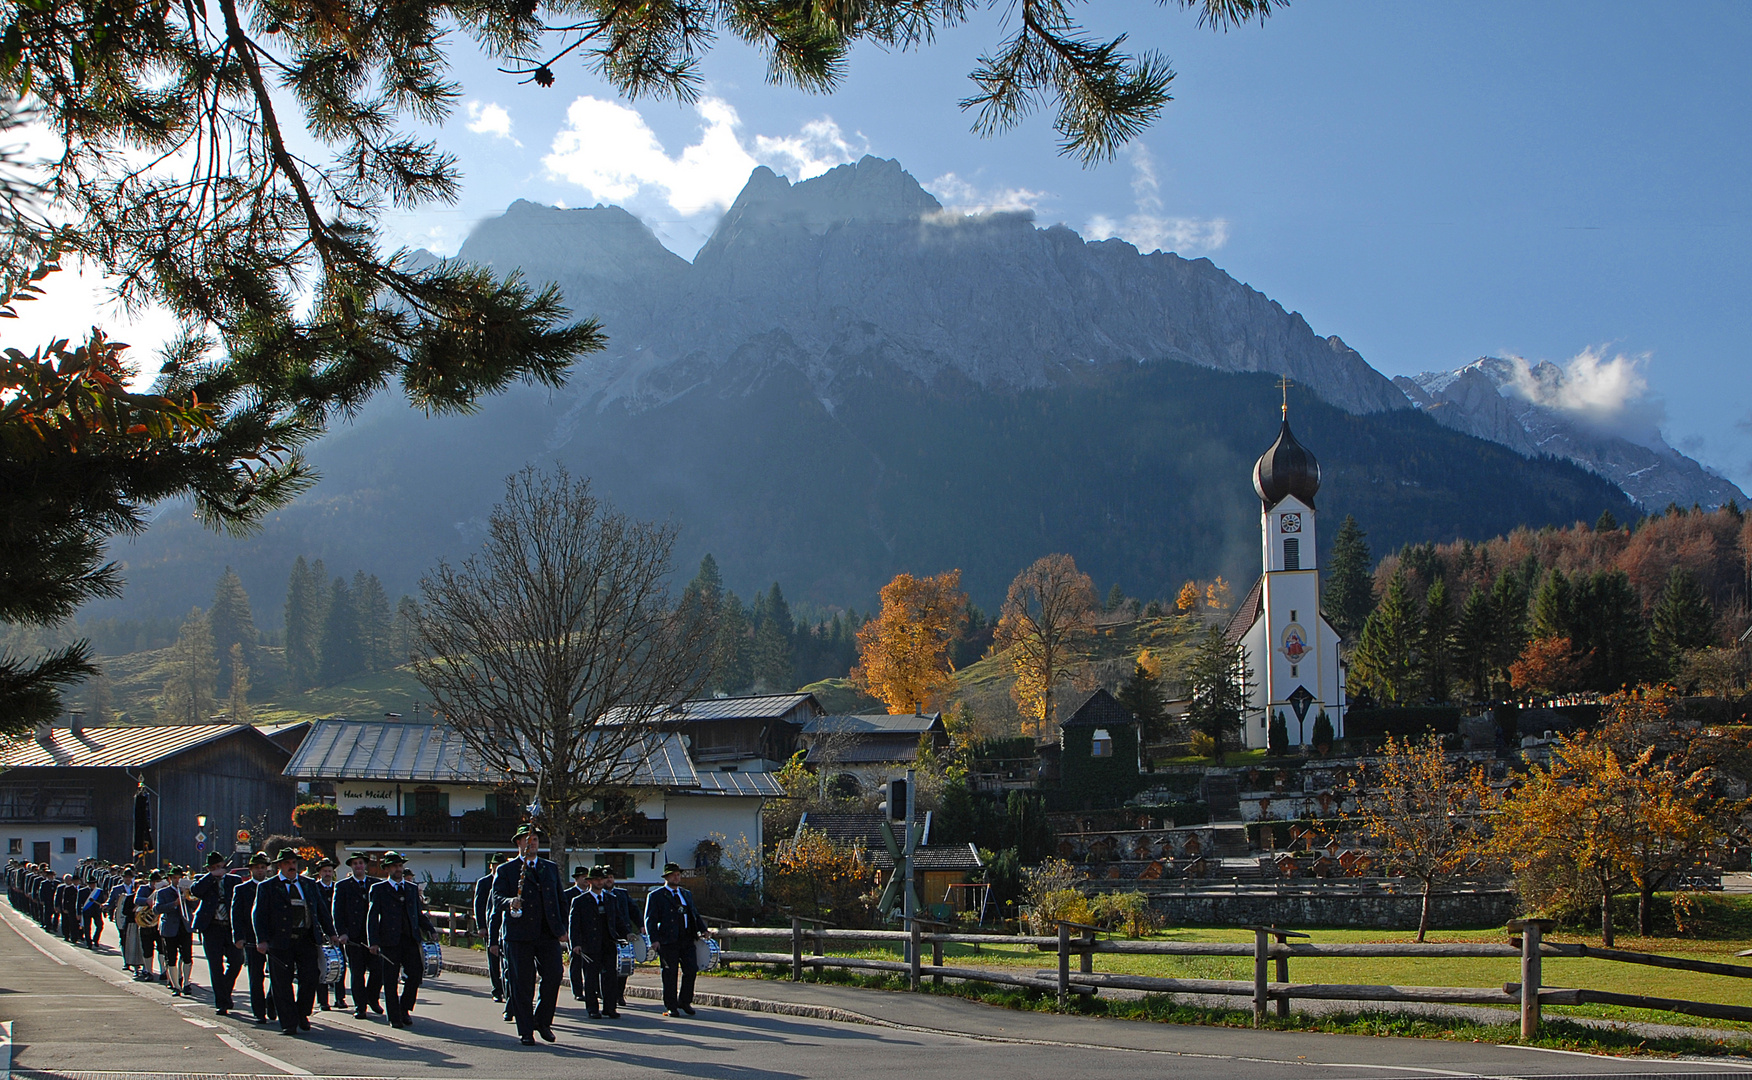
[1252, 607]
[1100, 709]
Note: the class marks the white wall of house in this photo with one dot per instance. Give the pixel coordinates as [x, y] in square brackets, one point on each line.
[21, 841]
[350, 795]
[693, 818]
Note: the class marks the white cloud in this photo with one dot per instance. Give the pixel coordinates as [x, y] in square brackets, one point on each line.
[490, 119]
[1147, 227]
[965, 197]
[607, 149]
[1611, 395]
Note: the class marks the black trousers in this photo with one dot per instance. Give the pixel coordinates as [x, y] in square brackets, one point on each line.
[224, 960]
[532, 961]
[679, 965]
[301, 963]
[404, 964]
[496, 969]
[366, 975]
[599, 982]
[578, 964]
[178, 950]
[261, 1003]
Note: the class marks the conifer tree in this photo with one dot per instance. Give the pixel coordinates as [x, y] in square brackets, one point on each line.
[1508, 606]
[1382, 663]
[1221, 683]
[1349, 593]
[1115, 598]
[303, 625]
[1609, 631]
[188, 696]
[1683, 619]
[1142, 694]
[342, 644]
[231, 622]
[1277, 735]
[372, 604]
[731, 671]
[1436, 642]
[1554, 607]
[237, 703]
[402, 629]
[1474, 644]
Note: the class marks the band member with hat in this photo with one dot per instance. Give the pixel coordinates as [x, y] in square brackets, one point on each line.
[395, 926]
[352, 901]
[213, 890]
[674, 925]
[580, 884]
[243, 898]
[325, 888]
[534, 929]
[597, 929]
[145, 916]
[175, 934]
[290, 925]
[483, 915]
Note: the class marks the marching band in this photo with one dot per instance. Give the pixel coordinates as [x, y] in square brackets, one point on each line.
[299, 936]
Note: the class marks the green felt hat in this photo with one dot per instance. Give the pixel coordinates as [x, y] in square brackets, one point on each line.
[260, 858]
[287, 853]
[525, 830]
[393, 858]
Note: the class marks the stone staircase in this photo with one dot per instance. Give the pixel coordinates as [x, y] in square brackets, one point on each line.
[1223, 794]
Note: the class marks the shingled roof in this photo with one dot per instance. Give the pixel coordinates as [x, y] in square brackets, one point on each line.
[113, 747]
[435, 753]
[1100, 709]
[1252, 606]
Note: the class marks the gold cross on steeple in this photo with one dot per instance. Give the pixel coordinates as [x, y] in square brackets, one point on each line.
[1284, 385]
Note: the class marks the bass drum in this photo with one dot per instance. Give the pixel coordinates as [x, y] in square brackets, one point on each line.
[641, 948]
[706, 953]
[433, 954]
[334, 964]
[623, 958]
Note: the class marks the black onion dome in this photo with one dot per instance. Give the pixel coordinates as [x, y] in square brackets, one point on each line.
[1287, 469]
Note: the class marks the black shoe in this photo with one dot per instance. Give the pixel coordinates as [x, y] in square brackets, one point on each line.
[611, 1014]
[548, 1034]
[223, 1012]
[408, 1020]
[304, 1025]
[376, 1008]
[688, 1009]
[528, 1040]
[397, 1024]
[325, 1006]
[497, 996]
[577, 997]
[289, 1031]
[510, 1018]
[671, 1012]
[594, 1014]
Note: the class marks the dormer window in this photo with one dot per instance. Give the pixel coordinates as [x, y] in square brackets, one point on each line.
[1102, 745]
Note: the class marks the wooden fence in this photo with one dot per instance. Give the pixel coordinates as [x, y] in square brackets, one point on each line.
[1272, 949]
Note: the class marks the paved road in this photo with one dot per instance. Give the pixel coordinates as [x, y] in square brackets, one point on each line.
[75, 1014]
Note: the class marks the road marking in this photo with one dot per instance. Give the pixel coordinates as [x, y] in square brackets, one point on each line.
[34, 945]
[6, 1050]
[269, 1060]
[198, 1022]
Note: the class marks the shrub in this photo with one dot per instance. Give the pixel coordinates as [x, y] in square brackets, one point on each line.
[1056, 906]
[1323, 732]
[316, 817]
[1203, 745]
[372, 817]
[1277, 736]
[1130, 912]
[479, 821]
[814, 876]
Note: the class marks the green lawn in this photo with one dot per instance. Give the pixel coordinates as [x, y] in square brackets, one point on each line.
[1467, 972]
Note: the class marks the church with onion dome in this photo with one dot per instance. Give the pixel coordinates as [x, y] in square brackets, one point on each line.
[1289, 648]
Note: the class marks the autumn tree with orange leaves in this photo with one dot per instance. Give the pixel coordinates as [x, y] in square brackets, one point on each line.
[903, 653]
[1050, 607]
[1547, 666]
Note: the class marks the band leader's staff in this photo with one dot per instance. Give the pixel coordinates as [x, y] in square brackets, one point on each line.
[673, 926]
[533, 931]
[290, 925]
[598, 927]
[352, 902]
[213, 919]
[395, 927]
[483, 914]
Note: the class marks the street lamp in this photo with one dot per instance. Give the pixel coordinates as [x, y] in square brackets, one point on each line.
[200, 833]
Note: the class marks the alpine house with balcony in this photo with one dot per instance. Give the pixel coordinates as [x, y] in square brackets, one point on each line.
[416, 788]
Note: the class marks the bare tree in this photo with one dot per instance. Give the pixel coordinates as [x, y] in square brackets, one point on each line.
[555, 651]
[1050, 607]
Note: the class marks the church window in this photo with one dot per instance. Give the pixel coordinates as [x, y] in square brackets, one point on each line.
[1293, 554]
[1293, 616]
[1102, 745]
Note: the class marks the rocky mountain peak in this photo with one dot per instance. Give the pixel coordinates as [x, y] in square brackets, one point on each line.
[873, 190]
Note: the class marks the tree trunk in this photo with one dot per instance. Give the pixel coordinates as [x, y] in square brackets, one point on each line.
[1423, 922]
[560, 843]
[1605, 912]
[1645, 915]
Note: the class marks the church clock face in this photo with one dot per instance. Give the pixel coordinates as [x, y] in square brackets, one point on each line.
[1290, 523]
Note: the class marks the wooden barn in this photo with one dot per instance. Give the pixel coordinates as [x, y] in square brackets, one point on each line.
[69, 793]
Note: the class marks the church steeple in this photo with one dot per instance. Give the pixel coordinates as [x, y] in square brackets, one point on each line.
[1288, 468]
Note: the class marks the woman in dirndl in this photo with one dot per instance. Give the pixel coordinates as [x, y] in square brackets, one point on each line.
[122, 914]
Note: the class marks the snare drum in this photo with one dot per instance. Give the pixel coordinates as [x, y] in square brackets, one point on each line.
[706, 953]
[433, 955]
[334, 964]
[624, 960]
[641, 948]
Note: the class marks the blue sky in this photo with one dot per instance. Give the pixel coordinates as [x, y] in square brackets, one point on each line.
[1430, 182]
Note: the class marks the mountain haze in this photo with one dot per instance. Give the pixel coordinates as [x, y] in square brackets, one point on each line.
[848, 381]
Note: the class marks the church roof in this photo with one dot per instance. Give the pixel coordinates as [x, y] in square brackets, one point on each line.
[1252, 607]
[1288, 468]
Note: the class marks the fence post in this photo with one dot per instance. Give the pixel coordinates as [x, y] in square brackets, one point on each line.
[1261, 949]
[1086, 961]
[1064, 964]
[453, 919]
[796, 949]
[1283, 976]
[937, 960]
[1532, 931]
[913, 955]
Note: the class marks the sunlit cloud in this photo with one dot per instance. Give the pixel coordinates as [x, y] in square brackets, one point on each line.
[490, 119]
[963, 196]
[1147, 227]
